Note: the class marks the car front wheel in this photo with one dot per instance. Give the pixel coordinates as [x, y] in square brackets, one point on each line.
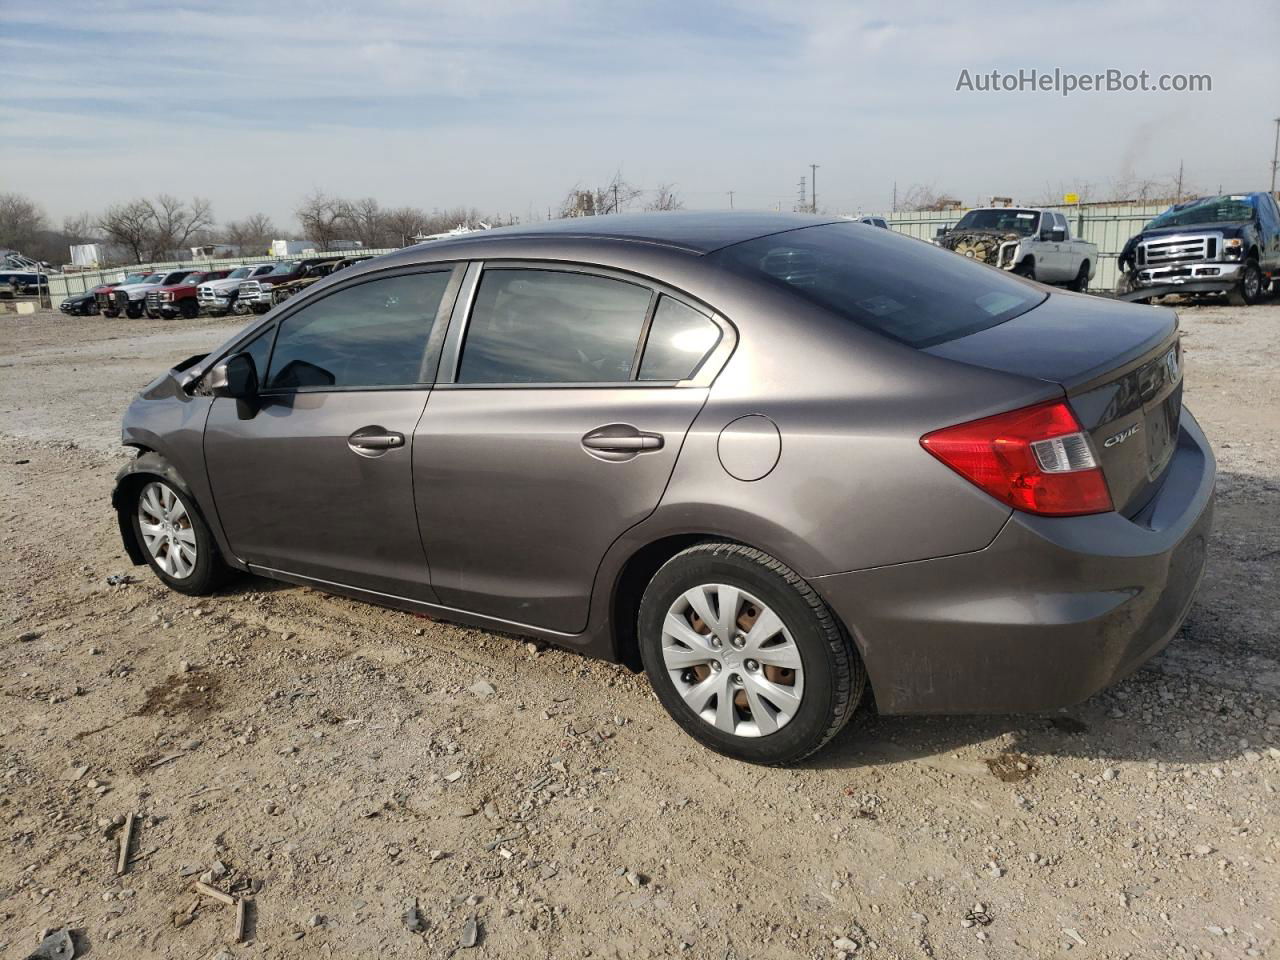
[175, 539]
[1250, 288]
[745, 656]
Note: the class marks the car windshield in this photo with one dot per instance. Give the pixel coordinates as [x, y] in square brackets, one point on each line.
[281, 268]
[135, 278]
[193, 278]
[1227, 209]
[173, 278]
[238, 273]
[1009, 221]
[906, 289]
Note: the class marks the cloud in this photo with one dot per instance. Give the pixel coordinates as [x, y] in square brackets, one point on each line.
[507, 104]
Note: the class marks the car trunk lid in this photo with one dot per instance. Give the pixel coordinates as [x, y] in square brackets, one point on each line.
[1121, 368]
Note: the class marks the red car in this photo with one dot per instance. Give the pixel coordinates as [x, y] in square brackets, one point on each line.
[179, 299]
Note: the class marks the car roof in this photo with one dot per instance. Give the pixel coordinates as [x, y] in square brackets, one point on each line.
[693, 232]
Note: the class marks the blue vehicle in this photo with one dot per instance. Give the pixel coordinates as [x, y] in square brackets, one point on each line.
[1223, 244]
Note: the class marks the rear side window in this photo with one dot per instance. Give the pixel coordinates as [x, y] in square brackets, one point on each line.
[370, 335]
[546, 326]
[679, 340]
[912, 291]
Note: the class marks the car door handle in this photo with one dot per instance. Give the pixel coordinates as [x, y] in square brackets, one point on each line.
[623, 444]
[375, 440]
[620, 441]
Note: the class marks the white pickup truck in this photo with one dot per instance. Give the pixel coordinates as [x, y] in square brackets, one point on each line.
[1033, 243]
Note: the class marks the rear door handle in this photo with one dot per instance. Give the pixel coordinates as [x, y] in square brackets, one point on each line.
[623, 444]
[373, 441]
[620, 441]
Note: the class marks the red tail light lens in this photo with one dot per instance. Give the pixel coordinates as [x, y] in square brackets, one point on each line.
[1036, 459]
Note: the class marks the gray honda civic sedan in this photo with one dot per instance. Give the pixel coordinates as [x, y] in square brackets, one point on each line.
[782, 463]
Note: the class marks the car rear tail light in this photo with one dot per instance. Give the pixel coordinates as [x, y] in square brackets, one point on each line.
[1036, 459]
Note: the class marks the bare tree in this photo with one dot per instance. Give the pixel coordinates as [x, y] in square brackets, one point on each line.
[922, 197]
[364, 219]
[666, 198]
[81, 228]
[253, 234]
[402, 224]
[321, 218]
[130, 226]
[174, 222]
[21, 222]
[614, 197]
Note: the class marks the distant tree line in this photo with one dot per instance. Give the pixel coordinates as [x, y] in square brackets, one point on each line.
[163, 227]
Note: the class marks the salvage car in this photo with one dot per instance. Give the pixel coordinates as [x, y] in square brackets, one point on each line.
[256, 294]
[81, 304]
[179, 299]
[775, 460]
[130, 296]
[315, 272]
[1223, 244]
[219, 297]
[102, 292]
[1031, 243]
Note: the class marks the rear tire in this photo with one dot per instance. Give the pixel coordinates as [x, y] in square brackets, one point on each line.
[1081, 283]
[1250, 288]
[772, 713]
[132, 312]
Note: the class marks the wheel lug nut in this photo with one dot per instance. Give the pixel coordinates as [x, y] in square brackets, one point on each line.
[752, 665]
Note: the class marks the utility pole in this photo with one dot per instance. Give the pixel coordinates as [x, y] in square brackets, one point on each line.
[1275, 158]
[1178, 199]
[894, 208]
[615, 194]
[813, 187]
[730, 199]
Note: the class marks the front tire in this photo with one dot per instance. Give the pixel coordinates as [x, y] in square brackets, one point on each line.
[176, 541]
[1027, 268]
[132, 312]
[189, 309]
[1250, 288]
[745, 656]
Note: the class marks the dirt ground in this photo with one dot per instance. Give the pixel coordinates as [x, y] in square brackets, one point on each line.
[334, 760]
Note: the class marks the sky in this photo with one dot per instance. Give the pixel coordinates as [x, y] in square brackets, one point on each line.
[506, 105]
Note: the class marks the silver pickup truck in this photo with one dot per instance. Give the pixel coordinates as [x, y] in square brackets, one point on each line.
[1033, 243]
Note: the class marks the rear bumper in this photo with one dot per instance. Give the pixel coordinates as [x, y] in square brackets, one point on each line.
[1054, 610]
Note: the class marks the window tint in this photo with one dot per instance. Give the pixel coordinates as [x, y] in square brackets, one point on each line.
[542, 326]
[906, 289]
[679, 339]
[369, 335]
[259, 348]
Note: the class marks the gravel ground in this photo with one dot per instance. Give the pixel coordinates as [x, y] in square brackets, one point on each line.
[340, 763]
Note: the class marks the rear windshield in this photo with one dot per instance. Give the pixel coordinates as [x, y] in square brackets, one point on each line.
[912, 291]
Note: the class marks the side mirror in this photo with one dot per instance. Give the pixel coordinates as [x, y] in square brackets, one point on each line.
[939, 233]
[236, 377]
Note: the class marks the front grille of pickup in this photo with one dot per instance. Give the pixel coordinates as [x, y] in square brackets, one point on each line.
[1163, 252]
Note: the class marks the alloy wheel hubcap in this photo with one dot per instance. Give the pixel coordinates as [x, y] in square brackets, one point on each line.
[166, 530]
[733, 660]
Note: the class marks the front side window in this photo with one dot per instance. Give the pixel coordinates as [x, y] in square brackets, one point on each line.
[259, 350]
[679, 340]
[546, 326]
[373, 334]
